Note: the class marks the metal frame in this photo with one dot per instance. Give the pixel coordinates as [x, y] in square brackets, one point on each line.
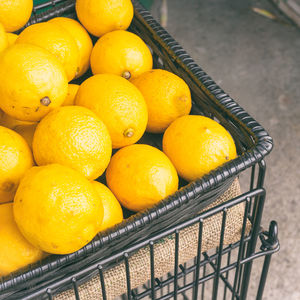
[234, 275]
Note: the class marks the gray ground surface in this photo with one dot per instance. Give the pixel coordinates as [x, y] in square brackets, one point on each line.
[257, 62]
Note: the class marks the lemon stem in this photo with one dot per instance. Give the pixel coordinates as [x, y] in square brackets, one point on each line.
[45, 101]
[126, 75]
[128, 132]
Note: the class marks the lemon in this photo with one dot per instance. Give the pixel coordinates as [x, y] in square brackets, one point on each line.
[118, 103]
[196, 145]
[73, 136]
[57, 209]
[141, 176]
[167, 96]
[102, 16]
[82, 39]
[32, 82]
[57, 41]
[14, 14]
[15, 160]
[15, 251]
[113, 213]
[121, 53]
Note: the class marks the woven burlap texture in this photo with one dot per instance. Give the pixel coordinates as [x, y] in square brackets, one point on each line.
[139, 263]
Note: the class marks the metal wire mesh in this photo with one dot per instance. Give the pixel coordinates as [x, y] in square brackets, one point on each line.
[222, 273]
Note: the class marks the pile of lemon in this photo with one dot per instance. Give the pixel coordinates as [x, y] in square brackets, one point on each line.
[57, 138]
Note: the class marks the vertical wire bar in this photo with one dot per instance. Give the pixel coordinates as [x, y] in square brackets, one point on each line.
[250, 214]
[176, 264]
[161, 289]
[100, 270]
[49, 294]
[203, 284]
[227, 273]
[237, 276]
[263, 277]
[252, 177]
[219, 261]
[198, 259]
[241, 272]
[184, 276]
[75, 287]
[194, 272]
[152, 270]
[257, 212]
[126, 258]
[184, 280]
[252, 183]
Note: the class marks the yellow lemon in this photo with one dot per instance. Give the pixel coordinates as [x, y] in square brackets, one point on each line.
[167, 96]
[57, 209]
[113, 213]
[15, 160]
[141, 176]
[73, 136]
[14, 14]
[57, 41]
[11, 38]
[15, 251]
[32, 82]
[121, 53]
[72, 91]
[3, 38]
[102, 16]
[118, 103]
[196, 145]
[82, 39]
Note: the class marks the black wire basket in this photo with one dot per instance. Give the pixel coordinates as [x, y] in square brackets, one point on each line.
[58, 273]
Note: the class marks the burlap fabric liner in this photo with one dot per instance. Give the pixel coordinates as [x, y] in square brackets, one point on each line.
[139, 263]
